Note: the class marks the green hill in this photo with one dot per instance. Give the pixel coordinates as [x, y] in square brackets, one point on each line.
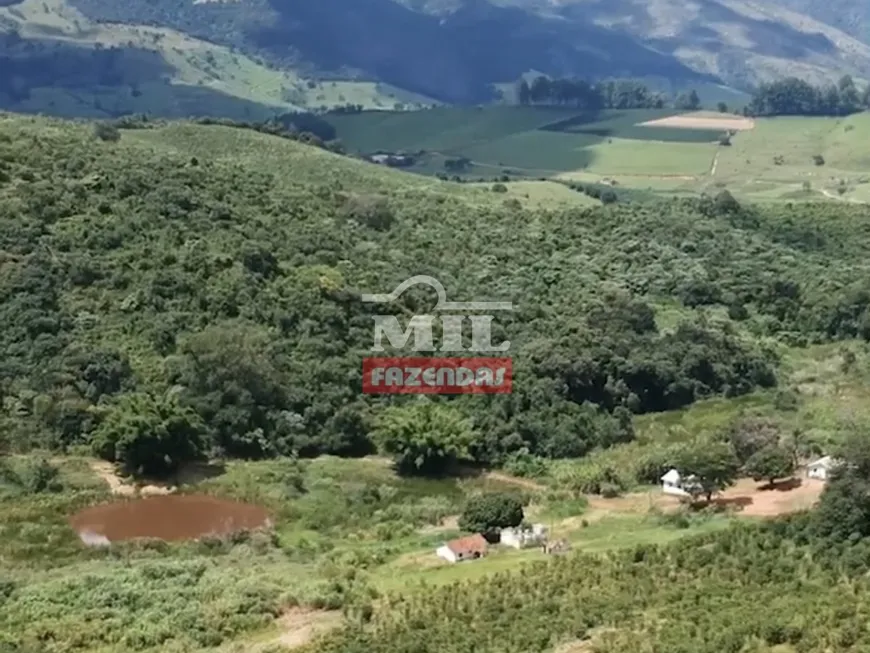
[142, 248]
[57, 61]
[177, 293]
[248, 59]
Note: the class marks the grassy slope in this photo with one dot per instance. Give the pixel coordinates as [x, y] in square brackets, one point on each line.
[441, 129]
[194, 62]
[307, 164]
[749, 168]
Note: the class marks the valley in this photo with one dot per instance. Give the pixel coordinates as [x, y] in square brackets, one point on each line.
[765, 159]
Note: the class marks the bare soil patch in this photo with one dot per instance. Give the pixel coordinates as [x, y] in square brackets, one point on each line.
[748, 497]
[301, 626]
[762, 500]
[120, 487]
[698, 122]
[515, 480]
[586, 645]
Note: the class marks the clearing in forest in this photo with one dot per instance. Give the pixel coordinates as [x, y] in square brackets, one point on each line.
[750, 498]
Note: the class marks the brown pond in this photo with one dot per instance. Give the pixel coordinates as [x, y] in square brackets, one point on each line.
[168, 517]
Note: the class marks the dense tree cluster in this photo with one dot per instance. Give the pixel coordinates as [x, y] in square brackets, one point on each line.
[795, 97]
[234, 293]
[487, 513]
[609, 94]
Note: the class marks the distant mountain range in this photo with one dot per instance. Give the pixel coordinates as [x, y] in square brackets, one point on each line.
[252, 57]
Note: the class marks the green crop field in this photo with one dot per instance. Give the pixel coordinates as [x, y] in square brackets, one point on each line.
[454, 130]
[442, 129]
[772, 162]
[533, 142]
[306, 164]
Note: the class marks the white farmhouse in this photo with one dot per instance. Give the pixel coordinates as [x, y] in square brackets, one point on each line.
[821, 468]
[672, 483]
[520, 538]
[465, 548]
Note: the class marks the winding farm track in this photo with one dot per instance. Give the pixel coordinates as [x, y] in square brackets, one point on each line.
[515, 480]
[715, 163]
[833, 196]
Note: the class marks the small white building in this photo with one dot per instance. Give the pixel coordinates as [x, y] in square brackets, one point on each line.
[821, 469]
[520, 538]
[465, 548]
[672, 483]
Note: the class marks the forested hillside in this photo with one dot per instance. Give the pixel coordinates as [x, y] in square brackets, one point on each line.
[207, 281]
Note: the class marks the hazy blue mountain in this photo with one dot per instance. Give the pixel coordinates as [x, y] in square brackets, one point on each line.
[450, 50]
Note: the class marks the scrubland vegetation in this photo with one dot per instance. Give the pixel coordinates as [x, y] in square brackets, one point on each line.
[191, 294]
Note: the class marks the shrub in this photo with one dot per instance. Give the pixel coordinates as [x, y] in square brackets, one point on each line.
[371, 211]
[724, 202]
[737, 312]
[499, 188]
[37, 475]
[609, 197]
[107, 132]
[487, 512]
[786, 400]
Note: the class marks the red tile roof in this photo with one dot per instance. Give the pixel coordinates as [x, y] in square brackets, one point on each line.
[466, 545]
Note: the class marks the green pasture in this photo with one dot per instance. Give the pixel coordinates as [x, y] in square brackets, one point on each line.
[533, 142]
[440, 129]
[775, 161]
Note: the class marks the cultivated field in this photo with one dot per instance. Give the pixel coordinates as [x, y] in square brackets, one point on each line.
[277, 155]
[768, 159]
[446, 130]
[703, 120]
[533, 142]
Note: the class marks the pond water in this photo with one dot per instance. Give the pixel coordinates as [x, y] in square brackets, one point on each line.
[170, 517]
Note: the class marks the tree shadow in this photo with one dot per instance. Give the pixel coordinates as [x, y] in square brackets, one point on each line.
[722, 503]
[197, 472]
[786, 485]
